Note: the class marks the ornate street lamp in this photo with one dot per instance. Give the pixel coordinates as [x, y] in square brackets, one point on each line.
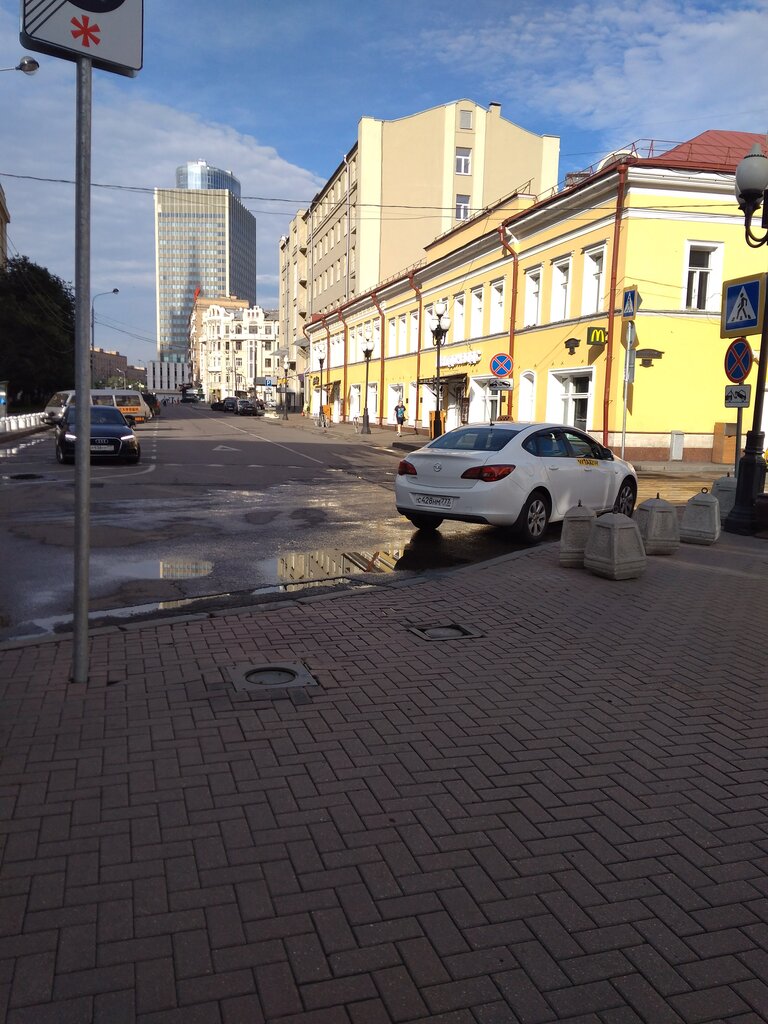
[439, 323]
[321, 353]
[367, 347]
[285, 387]
[751, 192]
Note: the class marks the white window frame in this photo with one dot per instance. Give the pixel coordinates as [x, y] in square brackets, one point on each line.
[594, 280]
[463, 160]
[714, 284]
[560, 398]
[392, 337]
[462, 207]
[465, 119]
[496, 325]
[402, 345]
[533, 297]
[476, 312]
[413, 332]
[459, 316]
[560, 304]
[427, 336]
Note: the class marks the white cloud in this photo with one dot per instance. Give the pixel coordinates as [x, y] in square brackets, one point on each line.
[137, 143]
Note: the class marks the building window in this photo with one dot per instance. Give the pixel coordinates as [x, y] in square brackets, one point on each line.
[462, 207]
[465, 119]
[699, 273]
[392, 343]
[533, 298]
[459, 326]
[561, 278]
[497, 307]
[476, 323]
[463, 160]
[594, 266]
[401, 338]
[428, 337]
[413, 343]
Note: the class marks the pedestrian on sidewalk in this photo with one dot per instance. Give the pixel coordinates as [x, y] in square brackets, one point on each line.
[400, 413]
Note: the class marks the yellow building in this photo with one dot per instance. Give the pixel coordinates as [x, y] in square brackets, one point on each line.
[543, 280]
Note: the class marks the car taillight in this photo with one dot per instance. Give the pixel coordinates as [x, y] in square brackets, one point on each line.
[406, 469]
[488, 474]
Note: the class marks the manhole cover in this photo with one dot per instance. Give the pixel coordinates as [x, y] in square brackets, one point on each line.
[445, 631]
[271, 678]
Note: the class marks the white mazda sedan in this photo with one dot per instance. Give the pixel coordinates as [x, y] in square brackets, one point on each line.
[524, 475]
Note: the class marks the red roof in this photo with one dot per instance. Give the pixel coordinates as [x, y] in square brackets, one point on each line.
[715, 149]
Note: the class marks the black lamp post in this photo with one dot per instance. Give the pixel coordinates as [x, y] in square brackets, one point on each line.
[285, 387]
[751, 192]
[367, 350]
[439, 323]
[321, 360]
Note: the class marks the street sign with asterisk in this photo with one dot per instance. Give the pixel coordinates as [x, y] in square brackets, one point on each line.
[110, 33]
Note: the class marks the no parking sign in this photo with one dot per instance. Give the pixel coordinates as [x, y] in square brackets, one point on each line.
[109, 32]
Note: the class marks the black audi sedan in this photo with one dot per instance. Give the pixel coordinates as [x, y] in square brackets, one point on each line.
[112, 435]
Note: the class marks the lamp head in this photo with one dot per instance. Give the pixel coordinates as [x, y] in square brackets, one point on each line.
[752, 179]
[28, 65]
[572, 344]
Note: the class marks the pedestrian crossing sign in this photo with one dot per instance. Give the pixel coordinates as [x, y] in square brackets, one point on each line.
[743, 306]
[629, 304]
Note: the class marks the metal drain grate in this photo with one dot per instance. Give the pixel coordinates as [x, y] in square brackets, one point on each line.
[271, 679]
[445, 631]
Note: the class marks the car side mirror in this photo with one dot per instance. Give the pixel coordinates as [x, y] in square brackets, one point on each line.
[607, 454]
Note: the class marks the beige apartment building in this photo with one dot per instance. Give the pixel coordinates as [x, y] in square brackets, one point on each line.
[402, 184]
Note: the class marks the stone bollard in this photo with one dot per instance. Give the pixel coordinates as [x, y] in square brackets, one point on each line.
[615, 548]
[701, 519]
[576, 525]
[657, 521]
[724, 489]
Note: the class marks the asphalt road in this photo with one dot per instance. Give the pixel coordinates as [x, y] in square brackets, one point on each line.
[219, 505]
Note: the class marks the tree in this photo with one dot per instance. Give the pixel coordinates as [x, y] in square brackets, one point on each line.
[37, 332]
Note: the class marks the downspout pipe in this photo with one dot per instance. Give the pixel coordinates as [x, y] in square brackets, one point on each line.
[417, 290]
[376, 303]
[340, 311]
[620, 197]
[513, 300]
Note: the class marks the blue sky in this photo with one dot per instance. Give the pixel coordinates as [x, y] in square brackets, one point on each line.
[274, 93]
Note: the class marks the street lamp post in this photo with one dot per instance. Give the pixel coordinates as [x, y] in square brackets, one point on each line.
[285, 387]
[27, 64]
[751, 193]
[439, 324]
[114, 291]
[367, 350]
[321, 352]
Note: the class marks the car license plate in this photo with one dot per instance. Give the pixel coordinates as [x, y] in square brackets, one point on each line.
[434, 500]
[99, 446]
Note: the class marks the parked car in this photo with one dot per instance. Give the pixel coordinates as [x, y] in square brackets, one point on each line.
[245, 407]
[228, 404]
[523, 475]
[217, 405]
[112, 435]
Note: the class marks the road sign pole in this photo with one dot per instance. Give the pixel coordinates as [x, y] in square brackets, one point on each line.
[82, 372]
[739, 419]
[750, 479]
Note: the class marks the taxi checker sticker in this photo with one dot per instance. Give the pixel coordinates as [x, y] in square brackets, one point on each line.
[587, 462]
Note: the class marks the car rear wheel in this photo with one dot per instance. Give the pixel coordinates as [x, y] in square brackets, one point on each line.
[424, 522]
[61, 458]
[533, 519]
[625, 499]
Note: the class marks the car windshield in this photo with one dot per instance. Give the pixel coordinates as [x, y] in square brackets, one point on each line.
[101, 415]
[475, 439]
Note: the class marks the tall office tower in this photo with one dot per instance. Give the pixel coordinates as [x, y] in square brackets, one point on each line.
[205, 245]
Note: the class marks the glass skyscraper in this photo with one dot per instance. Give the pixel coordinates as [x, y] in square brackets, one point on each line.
[205, 244]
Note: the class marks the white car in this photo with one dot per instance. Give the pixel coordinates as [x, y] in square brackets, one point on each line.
[524, 475]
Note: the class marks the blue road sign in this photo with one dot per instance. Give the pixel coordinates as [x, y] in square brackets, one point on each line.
[501, 365]
[743, 306]
[629, 304]
[738, 360]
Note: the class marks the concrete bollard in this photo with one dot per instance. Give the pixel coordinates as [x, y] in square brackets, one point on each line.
[724, 489]
[701, 519]
[615, 548]
[657, 521]
[576, 525]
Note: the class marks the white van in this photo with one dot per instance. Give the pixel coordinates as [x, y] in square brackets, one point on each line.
[130, 403]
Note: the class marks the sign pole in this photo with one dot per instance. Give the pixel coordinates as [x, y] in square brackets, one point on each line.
[750, 480]
[738, 440]
[629, 376]
[82, 370]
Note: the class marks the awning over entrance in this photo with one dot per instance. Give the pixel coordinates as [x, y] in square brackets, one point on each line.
[449, 378]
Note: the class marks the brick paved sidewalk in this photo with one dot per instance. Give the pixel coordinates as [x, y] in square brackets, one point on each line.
[563, 819]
